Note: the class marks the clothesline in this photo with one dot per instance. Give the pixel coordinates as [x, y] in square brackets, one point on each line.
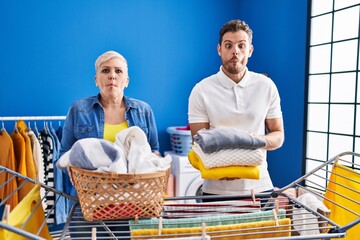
[15, 118]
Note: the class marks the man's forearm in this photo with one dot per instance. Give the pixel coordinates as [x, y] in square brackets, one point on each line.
[274, 140]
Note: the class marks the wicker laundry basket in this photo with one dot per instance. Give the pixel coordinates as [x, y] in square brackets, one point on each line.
[107, 196]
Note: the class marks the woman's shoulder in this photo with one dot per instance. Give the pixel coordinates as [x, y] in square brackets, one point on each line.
[136, 103]
[85, 102]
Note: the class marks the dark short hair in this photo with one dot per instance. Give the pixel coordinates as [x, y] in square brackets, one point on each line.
[234, 26]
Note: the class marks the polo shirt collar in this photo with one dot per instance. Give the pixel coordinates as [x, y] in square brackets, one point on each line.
[229, 83]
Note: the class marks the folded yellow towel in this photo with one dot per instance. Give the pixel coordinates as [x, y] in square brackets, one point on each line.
[253, 230]
[249, 172]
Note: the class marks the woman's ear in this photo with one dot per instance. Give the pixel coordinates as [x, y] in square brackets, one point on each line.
[96, 84]
[128, 80]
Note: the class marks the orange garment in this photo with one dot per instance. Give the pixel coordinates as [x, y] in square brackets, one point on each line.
[29, 156]
[20, 160]
[7, 159]
[21, 215]
[344, 190]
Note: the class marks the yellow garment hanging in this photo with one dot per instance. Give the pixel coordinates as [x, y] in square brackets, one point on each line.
[249, 172]
[22, 212]
[343, 176]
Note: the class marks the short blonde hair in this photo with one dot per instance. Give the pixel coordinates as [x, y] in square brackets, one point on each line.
[107, 56]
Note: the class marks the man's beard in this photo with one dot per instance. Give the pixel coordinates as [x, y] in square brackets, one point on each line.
[229, 66]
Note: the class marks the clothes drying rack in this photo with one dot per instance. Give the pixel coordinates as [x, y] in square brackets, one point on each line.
[315, 182]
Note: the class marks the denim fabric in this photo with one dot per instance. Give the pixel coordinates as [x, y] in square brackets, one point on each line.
[86, 119]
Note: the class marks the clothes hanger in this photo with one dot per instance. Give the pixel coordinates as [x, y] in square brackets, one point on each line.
[45, 127]
[36, 129]
[15, 128]
[29, 127]
[2, 127]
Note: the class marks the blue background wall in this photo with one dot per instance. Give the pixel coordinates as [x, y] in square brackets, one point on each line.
[48, 50]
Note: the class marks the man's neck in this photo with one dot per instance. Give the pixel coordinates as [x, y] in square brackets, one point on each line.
[235, 77]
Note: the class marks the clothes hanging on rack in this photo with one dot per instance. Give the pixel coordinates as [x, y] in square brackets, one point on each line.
[29, 159]
[7, 159]
[33, 157]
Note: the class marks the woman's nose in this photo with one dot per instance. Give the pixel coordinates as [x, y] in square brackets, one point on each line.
[112, 75]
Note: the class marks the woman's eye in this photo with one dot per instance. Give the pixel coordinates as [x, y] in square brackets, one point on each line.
[118, 71]
[105, 70]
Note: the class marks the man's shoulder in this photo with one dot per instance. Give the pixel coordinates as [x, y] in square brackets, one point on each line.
[212, 79]
[260, 78]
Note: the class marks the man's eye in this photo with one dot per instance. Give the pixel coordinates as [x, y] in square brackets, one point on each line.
[105, 70]
[228, 45]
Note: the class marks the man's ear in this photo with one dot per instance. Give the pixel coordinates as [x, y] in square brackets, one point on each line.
[218, 49]
[251, 50]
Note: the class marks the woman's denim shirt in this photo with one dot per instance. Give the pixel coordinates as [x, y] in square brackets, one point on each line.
[86, 119]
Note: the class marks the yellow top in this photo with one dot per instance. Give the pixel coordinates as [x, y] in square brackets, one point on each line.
[110, 130]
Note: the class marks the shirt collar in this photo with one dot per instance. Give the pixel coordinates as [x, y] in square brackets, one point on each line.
[229, 83]
[128, 102]
[96, 100]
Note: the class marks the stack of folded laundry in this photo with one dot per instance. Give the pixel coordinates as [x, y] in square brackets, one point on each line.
[131, 153]
[222, 153]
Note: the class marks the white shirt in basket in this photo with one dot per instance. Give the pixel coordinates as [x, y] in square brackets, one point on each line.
[244, 105]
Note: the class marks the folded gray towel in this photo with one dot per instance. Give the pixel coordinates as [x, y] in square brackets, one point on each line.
[212, 140]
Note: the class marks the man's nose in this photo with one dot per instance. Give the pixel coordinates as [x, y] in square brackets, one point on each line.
[236, 51]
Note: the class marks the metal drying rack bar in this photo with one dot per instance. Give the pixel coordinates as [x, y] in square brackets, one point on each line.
[190, 213]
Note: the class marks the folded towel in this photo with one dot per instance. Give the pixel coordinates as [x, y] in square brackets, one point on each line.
[186, 210]
[249, 172]
[134, 144]
[230, 157]
[303, 219]
[252, 230]
[212, 140]
[95, 154]
[209, 220]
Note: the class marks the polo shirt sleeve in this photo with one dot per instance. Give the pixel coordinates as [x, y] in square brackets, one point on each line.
[196, 108]
[275, 107]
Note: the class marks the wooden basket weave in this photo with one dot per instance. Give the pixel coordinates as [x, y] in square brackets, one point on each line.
[107, 196]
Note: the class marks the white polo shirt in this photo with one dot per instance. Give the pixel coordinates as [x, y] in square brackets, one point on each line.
[221, 102]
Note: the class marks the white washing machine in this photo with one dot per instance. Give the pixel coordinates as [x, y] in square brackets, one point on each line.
[188, 181]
